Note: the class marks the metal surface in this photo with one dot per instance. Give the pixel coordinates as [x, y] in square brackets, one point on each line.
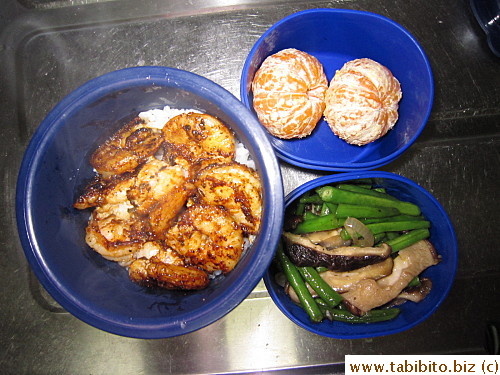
[48, 48]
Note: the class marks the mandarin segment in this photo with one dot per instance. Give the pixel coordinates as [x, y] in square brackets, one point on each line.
[288, 93]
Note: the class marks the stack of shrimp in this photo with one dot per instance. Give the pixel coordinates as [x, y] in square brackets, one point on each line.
[171, 204]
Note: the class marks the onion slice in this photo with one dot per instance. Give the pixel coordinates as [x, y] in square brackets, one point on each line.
[359, 232]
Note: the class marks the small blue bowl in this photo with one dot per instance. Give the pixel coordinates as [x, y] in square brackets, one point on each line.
[487, 13]
[56, 167]
[442, 275]
[335, 36]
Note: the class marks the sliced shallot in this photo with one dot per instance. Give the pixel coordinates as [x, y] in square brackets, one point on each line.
[360, 234]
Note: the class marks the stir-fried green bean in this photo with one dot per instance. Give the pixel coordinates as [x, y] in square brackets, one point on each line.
[408, 239]
[336, 195]
[391, 226]
[361, 212]
[320, 286]
[398, 226]
[360, 189]
[371, 316]
[311, 199]
[319, 223]
[414, 282]
[297, 283]
[394, 222]
[392, 218]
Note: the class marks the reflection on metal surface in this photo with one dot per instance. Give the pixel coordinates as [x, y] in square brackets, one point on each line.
[41, 296]
[257, 315]
[50, 4]
[44, 54]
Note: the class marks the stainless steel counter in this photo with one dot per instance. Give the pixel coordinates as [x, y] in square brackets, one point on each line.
[48, 48]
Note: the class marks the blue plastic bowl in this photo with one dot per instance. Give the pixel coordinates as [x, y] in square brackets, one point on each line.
[487, 13]
[442, 275]
[335, 36]
[56, 167]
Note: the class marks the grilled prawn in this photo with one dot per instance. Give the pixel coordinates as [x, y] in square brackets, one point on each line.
[236, 188]
[126, 149]
[170, 203]
[207, 237]
[100, 191]
[167, 269]
[135, 210]
[193, 139]
[116, 232]
[159, 193]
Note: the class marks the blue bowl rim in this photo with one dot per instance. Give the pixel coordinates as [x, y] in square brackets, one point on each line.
[88, 93]
[485, 13]
[332, 166]
[323, 180]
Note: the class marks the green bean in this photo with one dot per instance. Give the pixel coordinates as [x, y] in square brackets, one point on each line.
[310, 215]
[408, 239]
[300, 209]
[311, 199]
[371, 316]
[392, 235]
[360, 186]
[414, 282]
[357, 211]
[336, 195]
[374, 192]
[391, 226]
[341, 313]
[297, 283]
[379, 237]
[325, 210]
[392, 218]
[319, 223]
[332, 206]
[344, 235]
[320, 286]
[398, 226]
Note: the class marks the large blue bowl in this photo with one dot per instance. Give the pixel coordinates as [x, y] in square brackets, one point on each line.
[336, 36]
[56, 167]
[442, 275]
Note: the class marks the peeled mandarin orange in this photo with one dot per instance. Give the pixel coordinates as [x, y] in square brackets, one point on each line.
[288, 93]
[362, 101]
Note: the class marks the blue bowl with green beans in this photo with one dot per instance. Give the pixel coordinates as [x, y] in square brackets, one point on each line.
[383, 221]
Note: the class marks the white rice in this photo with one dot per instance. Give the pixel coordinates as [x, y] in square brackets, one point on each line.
[157, 118]
[147, 251]
[242, 155]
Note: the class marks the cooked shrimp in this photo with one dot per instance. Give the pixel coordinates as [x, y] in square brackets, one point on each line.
[160, 191]
[115, 233]
[102, 190]
[137, 209]
[144, 217]
[207, 237]
[126, 149]
[235, 187]
[197, 138]
[167, 270]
